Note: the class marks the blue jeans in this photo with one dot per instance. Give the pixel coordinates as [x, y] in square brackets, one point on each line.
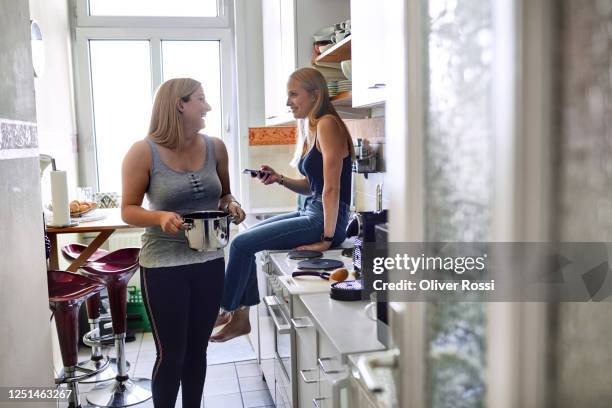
[285, 231]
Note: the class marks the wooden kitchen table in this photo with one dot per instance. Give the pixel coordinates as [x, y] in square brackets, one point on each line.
[104, 227]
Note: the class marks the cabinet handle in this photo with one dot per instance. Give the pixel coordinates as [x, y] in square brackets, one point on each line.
[271, 117]
[274, 309]
[325, 369]
[315, 401]
[365, 364]
[306, 380]
[301, 325]
[377, 86]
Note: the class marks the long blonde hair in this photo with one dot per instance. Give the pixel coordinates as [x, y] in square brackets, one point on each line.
[166, 126]
[312, 80]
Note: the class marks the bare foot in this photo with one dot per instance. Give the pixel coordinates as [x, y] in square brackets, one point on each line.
[223, 318]
[239, 325]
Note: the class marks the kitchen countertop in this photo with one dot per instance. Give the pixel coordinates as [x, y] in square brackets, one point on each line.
[345, 324]
[306, 284]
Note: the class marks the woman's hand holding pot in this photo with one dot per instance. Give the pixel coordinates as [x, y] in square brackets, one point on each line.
[170, 222]
[236, 211]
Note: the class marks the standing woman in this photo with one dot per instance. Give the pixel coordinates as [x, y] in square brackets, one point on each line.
[181, 171]
[324, 159]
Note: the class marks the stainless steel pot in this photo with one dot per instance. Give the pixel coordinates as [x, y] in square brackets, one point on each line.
[207, 230]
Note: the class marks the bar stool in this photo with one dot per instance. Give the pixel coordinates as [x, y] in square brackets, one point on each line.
[115, 270]
[67, 291]
[74, 250]
[93, 337]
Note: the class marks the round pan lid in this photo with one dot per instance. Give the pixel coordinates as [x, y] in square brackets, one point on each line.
[304, 254]
[320, 264]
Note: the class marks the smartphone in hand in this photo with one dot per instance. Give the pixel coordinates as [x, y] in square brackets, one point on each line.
[256, 173]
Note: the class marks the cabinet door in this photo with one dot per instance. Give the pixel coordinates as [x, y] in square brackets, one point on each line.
[307, 372]
[279, 57]
[367, 53]
[331, 369]
[288, 51]
[271, 13]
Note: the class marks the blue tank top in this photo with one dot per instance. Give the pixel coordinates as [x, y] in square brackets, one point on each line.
[311, 166]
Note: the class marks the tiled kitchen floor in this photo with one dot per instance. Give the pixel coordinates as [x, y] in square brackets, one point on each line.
[230, 385]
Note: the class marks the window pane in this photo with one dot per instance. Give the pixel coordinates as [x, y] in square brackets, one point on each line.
[199, 60]
[121, 88]
[154, 8]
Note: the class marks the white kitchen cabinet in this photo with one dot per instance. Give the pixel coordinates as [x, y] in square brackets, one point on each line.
[331, 370]
[368, 53]
[306, 358]
[288, 27]
[271, 12]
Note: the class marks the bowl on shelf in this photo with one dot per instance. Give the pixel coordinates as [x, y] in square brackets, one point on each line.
[319, 44]
[324, 34]
[324, 48]
[346, 67]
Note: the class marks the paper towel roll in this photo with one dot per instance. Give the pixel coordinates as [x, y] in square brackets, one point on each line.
[59, 199]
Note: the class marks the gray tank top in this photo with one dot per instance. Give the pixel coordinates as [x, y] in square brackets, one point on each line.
[181, 192]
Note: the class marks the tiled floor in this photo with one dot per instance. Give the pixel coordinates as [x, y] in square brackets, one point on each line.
[230, 385]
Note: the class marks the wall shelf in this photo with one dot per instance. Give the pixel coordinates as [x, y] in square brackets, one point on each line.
[343, 99]
[338, 53]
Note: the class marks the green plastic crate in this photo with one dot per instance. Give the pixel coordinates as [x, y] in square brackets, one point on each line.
[137, 314]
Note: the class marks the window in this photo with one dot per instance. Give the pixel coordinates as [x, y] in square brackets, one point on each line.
[198, 60]
[120, 67]
[121, 93]
[158, 8]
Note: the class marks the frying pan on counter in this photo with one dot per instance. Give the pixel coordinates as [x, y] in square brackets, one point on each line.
[319, 264]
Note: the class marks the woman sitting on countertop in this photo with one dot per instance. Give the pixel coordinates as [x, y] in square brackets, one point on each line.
[324, 157]
[180, 170]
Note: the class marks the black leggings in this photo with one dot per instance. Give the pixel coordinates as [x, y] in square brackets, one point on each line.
[182, 304]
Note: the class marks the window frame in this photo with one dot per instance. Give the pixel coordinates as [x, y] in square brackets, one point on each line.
[87, 155]
[83, 19]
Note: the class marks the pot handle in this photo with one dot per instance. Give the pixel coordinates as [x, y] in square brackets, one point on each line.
[187, 224]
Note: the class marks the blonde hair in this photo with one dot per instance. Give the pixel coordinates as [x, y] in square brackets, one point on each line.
[166, 126]
[312, 80]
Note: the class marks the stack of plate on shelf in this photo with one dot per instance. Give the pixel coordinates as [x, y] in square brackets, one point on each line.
[332, 87]
[345, 86]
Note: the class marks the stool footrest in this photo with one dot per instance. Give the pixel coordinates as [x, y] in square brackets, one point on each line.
[86, 373]
[93, 339]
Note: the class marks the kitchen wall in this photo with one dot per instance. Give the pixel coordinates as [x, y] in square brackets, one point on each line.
[25, 344]
[250, 81]
[581, 332]
[55, 113]
[278, 156]
[364, 188]
[264, 197]
[54, 92]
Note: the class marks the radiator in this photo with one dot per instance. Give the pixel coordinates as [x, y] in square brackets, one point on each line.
[124, 239]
